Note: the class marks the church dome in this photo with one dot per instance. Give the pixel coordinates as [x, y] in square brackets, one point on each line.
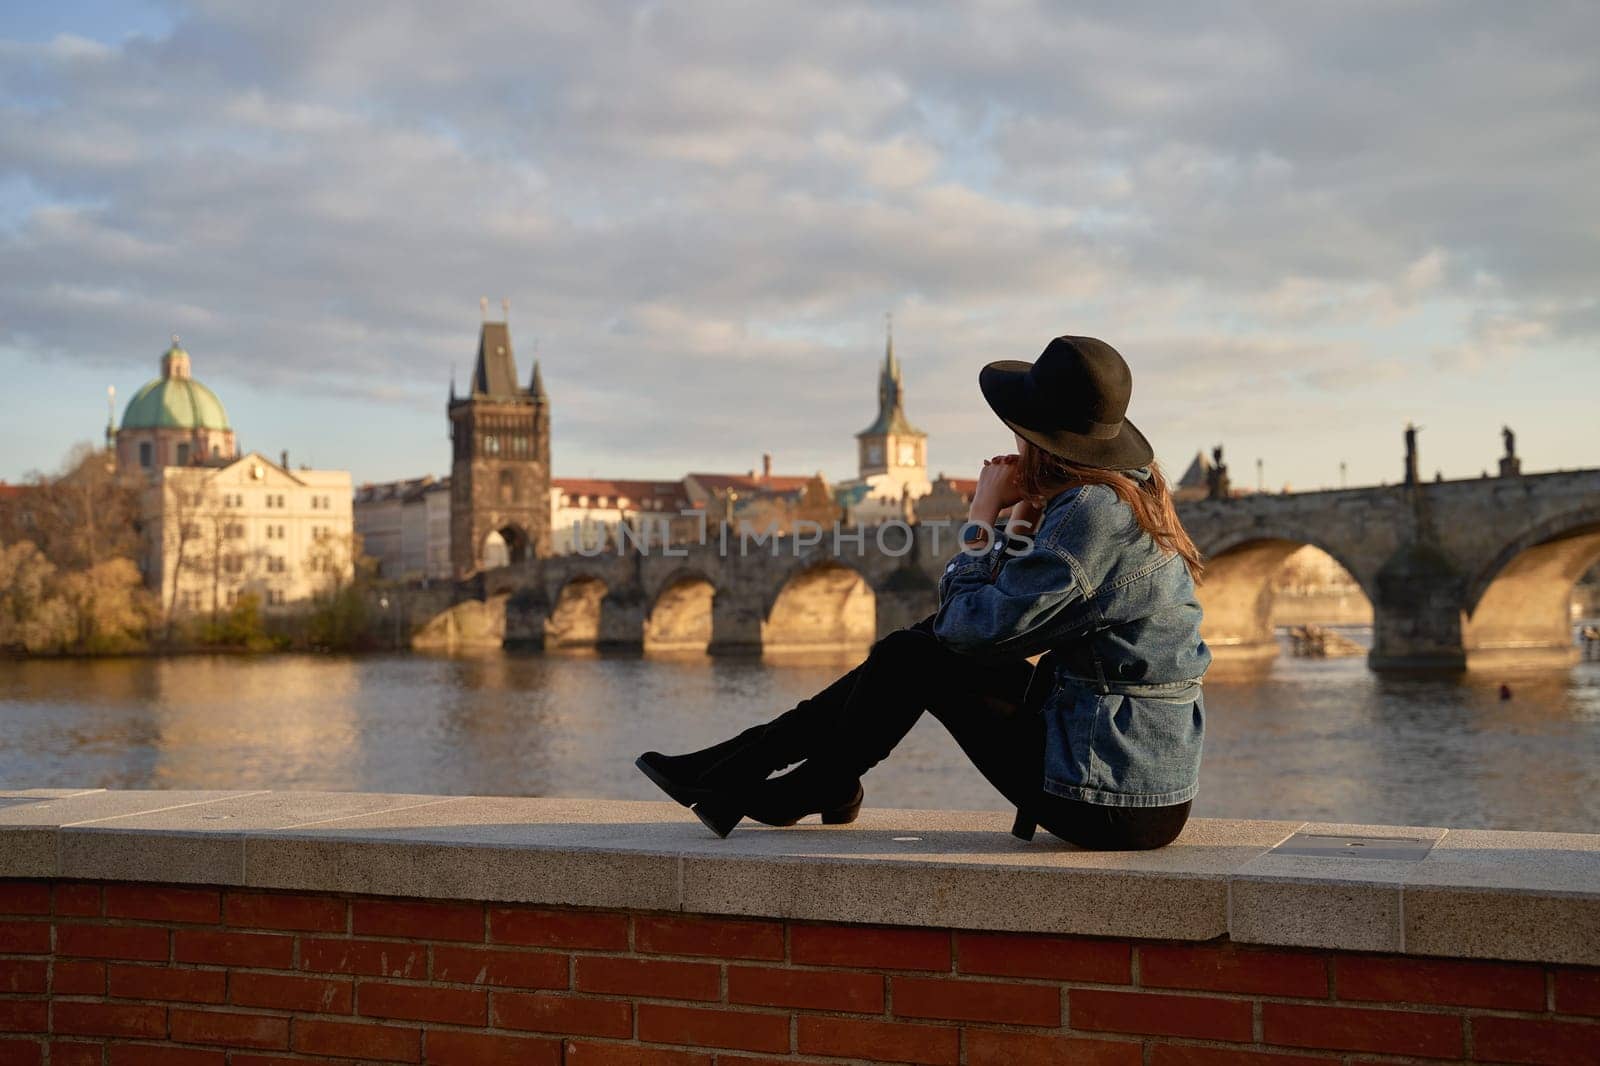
[175, 400]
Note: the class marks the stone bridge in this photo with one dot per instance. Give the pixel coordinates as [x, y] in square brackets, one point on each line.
[1460, 573]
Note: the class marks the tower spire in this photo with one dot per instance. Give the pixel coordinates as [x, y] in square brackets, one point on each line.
[111, 416]
[889, 364]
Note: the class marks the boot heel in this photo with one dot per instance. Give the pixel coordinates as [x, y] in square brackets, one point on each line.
[845, 814]
[719, 815]
[1023, 827]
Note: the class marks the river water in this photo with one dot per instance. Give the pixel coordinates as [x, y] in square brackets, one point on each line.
[1321, 739]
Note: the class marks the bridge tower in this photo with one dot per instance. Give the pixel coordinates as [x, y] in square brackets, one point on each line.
[500, 466]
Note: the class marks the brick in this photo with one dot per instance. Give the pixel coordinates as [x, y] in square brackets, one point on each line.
[539, 927]
[366, 958]
[993, 1047]
[423, 1003]
[78, 901]
[267, 950]
[164, 1055]
[935, 1045]
[1536, 1040]
[976, 1001]
[1231, 968]
[108, 1019]
[22, 1052]
[354, 1040]
[314, 995]
[272, 910]
[24, 975]
[67, 1053]
[25, 938]
[707, 1027]
[1156, 1014]
[717, 937]
[72, 978]
[586, 1052]
[24, 1015]
[161, 903]
[1190, 1055]
[448, 1048]
[1577, 991]
[1503, 986]
[418, 920]
[166, 983]
[24, 897]
[1362, 1029]
[246, 1058]
[648, 977]
[865, 946]
[545, 1012]
[138, 942]
[229, 1028]
[500, 968]
[1056, 957]
[814, 989]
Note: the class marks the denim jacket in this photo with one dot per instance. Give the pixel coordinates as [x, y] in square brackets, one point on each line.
[1117, 619]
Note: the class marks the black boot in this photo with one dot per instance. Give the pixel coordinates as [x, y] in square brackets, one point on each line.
[815, 788]
[743, 759]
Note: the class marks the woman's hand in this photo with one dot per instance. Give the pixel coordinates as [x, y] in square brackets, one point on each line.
[997, 489]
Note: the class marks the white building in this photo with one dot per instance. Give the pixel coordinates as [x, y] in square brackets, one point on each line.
[587, 511]
[405, 526]
[249, 525]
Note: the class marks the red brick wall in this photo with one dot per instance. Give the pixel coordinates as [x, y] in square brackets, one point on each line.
[127, 975]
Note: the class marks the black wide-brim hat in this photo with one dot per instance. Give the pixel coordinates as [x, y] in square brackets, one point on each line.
[1072, 401]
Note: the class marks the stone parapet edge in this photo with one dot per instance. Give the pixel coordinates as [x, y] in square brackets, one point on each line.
[1531, 897]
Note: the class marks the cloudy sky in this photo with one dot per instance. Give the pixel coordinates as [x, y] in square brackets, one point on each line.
[1303, 225]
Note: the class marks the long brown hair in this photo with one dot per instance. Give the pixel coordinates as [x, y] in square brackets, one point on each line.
[1041, 475]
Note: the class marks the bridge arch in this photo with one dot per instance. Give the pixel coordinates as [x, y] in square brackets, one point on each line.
[820, 606]
[576, 614]
[1517, 605]
[1236, 592]
[680, 614]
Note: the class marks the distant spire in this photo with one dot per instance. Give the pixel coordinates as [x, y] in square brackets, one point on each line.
[505, 309]
[536, 384]
[452, 381]
[111, 415]
[483, 307]
[889, 363]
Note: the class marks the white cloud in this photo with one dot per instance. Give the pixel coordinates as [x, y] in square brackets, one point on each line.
[1251, 203]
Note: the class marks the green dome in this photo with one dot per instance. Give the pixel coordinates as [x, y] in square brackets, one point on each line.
[175, 400]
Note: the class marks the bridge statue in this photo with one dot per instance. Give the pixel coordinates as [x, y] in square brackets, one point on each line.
[1510, 465]
[1217, 485]
[1411, 454]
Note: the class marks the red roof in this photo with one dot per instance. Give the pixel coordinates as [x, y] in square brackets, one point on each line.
[11, 492]
[754, 483]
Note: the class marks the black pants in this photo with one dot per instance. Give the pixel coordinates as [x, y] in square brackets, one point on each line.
[857, 721]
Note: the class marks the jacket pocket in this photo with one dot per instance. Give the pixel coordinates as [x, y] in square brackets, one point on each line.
[1145, 745]
[1070, 714]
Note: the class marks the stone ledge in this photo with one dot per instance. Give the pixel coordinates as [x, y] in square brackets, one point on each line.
[1477, 894]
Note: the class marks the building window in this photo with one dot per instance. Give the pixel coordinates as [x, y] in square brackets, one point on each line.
[233, 530]
[275, 597]
[275, 532]
[233, 564]
[274, 500]
[275, 564]
[233, 597]
[144, 454]
[491, 444]
[508, 487]
[183, 453]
